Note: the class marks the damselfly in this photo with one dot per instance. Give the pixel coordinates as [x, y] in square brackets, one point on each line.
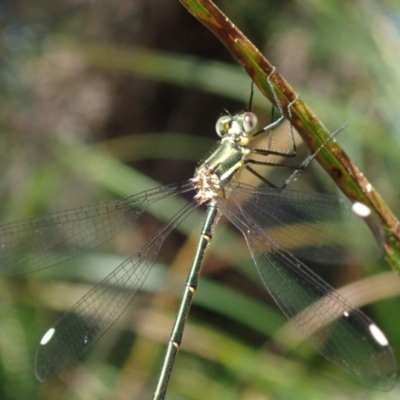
[340, 332]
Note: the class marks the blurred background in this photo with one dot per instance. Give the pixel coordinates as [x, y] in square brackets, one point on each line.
[100, 100]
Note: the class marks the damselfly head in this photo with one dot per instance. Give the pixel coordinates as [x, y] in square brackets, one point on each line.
[239, 128]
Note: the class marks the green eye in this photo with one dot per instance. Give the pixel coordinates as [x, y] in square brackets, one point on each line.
[223, 124]
[249, 122]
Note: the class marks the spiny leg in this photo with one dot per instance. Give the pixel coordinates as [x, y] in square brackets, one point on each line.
[270, 127]
[250, 106]
[311, 157]
[274, 124]
[269, 151]
[297, 168]
[281, 118]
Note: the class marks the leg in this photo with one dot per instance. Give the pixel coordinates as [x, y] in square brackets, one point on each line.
[271, 126]
[311, 157]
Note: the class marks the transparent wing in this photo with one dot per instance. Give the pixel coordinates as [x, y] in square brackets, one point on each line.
[39, 243]
[315, 227]
[89, 319]
[340, 332]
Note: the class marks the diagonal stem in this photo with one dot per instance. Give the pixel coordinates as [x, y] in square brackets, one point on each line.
[332, 157]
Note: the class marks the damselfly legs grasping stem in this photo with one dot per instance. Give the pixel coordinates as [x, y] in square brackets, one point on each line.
[339, 331]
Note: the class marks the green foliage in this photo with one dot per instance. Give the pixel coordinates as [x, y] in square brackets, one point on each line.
[101, 100]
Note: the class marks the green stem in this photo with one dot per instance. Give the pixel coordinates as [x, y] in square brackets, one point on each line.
[332, 157]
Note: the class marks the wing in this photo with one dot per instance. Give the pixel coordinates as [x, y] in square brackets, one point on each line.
[71, 336]
[41, 242]
[340, 332]
[315, 227]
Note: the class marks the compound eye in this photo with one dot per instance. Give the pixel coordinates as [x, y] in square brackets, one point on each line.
[250, 122]
[223, 125]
